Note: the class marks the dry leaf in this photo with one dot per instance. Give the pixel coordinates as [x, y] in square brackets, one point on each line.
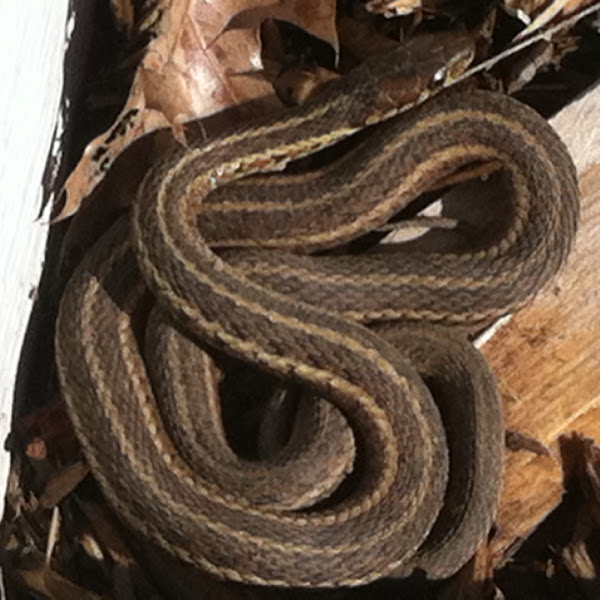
[518, 442]
[317, 17]
[46, 428]
[63, 483]
[581, 461]
[524, 8]
[55, 586]
[553, 10]
[36, 449]
[394, 8]
[124, 13]
[581, 556]
[398, 8]
[199, 63]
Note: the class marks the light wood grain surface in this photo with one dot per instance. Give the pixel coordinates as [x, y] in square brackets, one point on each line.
[547, 357]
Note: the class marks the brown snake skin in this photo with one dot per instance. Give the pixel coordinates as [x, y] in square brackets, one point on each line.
[299, 317]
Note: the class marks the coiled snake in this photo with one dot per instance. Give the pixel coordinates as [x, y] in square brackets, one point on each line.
[288, 521]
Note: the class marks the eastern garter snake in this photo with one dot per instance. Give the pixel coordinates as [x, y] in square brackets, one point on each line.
[282, 312]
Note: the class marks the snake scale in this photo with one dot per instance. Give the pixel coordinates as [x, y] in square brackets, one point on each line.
[228, 254]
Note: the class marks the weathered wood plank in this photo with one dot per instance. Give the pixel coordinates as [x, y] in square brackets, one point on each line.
[547, 357]
[32, 42]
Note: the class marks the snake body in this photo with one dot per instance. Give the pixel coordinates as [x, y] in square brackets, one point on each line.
[299, 317]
